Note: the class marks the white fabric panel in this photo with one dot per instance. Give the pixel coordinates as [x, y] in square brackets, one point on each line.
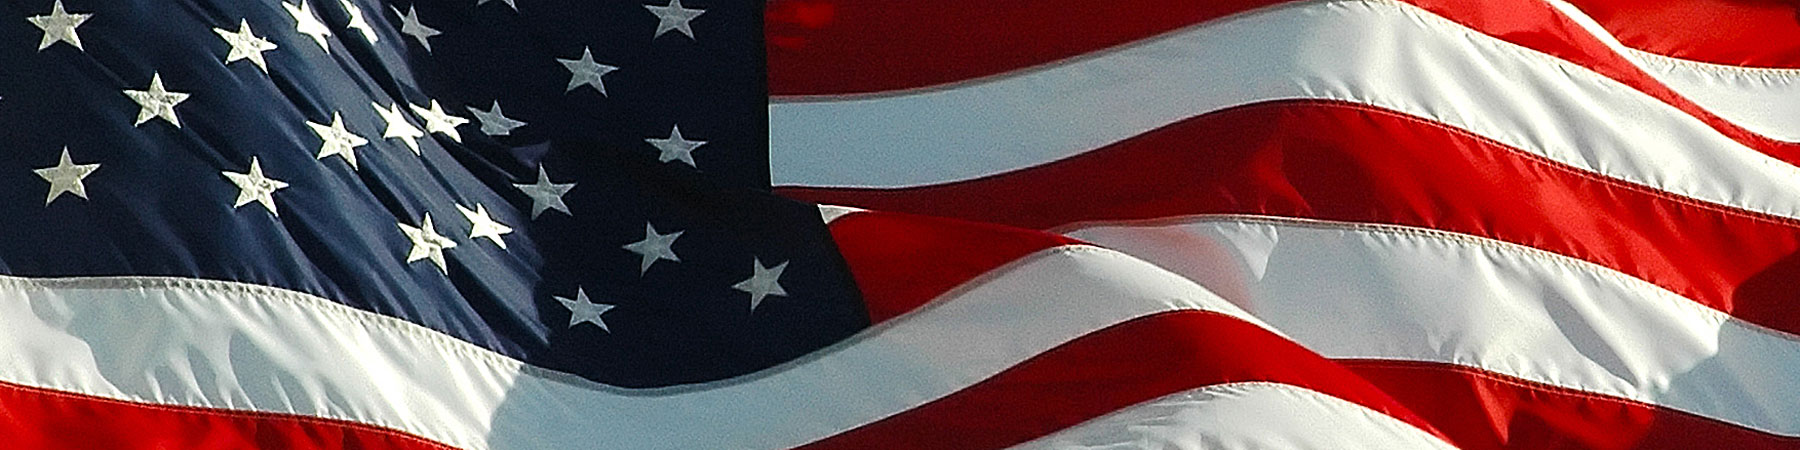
[1253, 415]
[1763, 100]
[1367, 291]
[243, 347]
[1359, 51]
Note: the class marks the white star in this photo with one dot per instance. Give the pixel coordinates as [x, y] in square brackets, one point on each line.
[509, 3]
[398, 127]
[546, 195]
[254, 187]
[676, 147]
[483, 226]
[66, 177]
[438, 121]
[583, 310]
[427, 243]
[494, 122]
[674, 17]
[59, 26]
[308, 24]
[586, 72]
[358, 23]
[410, 26]
[156, 101]
[654, 247]
[337, 140]
[763, 282]
[246, 45]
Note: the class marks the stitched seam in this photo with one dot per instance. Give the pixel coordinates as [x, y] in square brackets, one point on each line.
[1522, 251]
[1534, 386]
[379, 429]
[1793, 74]
[1546, 162]
[365, 319]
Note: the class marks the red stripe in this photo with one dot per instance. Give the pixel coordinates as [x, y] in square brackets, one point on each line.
[1108, 370]
[1115, 368]
[1482, 409]
[897, 261]
[1343, 162]
[33, 418]
[1759, 33]
[821, 47]
[858, 46]
[1160, 355]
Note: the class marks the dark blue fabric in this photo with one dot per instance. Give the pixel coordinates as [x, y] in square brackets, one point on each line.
[159, 206]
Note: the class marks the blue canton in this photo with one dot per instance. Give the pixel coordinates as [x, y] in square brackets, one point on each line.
[581, 185]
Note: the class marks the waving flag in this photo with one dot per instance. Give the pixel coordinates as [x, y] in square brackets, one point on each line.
[356, 224]
[1529, 224]
[535, 224]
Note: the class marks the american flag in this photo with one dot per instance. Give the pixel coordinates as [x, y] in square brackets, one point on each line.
[1053, 223]
[360, 224]
[1495, 224]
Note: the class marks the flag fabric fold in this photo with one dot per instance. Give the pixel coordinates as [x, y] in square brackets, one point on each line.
[1529, 223]
[536, 224]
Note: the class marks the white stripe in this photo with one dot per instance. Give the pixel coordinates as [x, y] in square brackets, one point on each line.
[226, 345]
[1762, 100]
[1365, 291]
[1373, 52]
[1251, 415]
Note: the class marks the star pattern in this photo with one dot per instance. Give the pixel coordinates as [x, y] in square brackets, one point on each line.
[59, 26]
[157, 102]
[494, 122]
[369, 237]
[253, 186]
[674, 17]
[586, 72]
[305, 22]
[440, 122]
[410, 26]
[398, 127]
[427, 244]
[337, 140]
[358, 23]
[66, 177]
[246, 45]
[582, 310]
[654, 247]
[676, 148]
[763, 282]
[481, 225]
[546, 195]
